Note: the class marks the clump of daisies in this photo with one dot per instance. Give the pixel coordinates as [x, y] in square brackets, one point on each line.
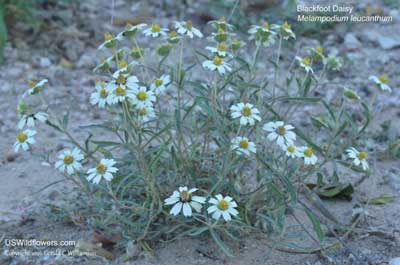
[223, 152]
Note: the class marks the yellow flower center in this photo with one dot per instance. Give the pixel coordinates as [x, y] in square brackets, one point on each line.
[107, 36]
[308, 152]
[189, 24]
[120, 91]
[155, 28]
[122, 64]
[281, 130]
[222, 46]
[222, 205]
[319, 49]
[362, 155]
[68, 159]
[21, 137]
[220, 30]
[244, 143]
[306, 61]
[142, 95]
[217, 60]
[172, 34]
[185, 196]
[142, 112]
[286, 25]
[290, 148]
[383, 78]
[158, 82]
[101, 168]
[246, 111]
[222, 19]
[265, 25]
[121, 79]
[103, 93]
[31, 83]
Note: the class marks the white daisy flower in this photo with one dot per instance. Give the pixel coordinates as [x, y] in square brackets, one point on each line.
[29, 120]
[308, 155]
[220, 36]
[217, 64]
[305, 63]
[142, 97]
[184, 201]
[279, 132]
[35, 88]
[222, 206]
[122, 87]
[186, 28]
[284, 30]
[221, 23]
[24, 139]
[220, 50]
[69, 161]
[247, 113]
[105, 169]
[160, 84]
[381, 82]
[262, 34]
[359, 158]
[101, 96]
[242, 145]
[155, 31]
[146, 113]
[131, 30]
[291, 151]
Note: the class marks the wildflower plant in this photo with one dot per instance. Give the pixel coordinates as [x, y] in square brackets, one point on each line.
[221, 152]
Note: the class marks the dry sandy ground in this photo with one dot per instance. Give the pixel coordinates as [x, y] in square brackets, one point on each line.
[23, 211]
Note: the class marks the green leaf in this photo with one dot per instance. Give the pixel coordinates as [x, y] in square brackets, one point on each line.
[383, 199]
[220, 243]
[336, 191]
[316, 225]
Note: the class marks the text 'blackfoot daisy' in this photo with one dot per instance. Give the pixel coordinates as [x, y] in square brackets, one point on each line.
[184, 201]
[279, 132]
[69, 161]
[359, 158]
[222, 206]
[24, 140]
[247, 113]
[104, 169]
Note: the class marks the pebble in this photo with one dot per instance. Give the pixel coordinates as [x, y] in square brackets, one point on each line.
[132, 249]
[44, 62]
[351, 42]
[11, 156]
[395, 261]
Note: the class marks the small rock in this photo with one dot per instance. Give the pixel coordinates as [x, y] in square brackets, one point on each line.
[44, 62]
[395, 261]
[132, 249]
[388, 43]
[86, 61]
[11, 156]
[351, 42]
